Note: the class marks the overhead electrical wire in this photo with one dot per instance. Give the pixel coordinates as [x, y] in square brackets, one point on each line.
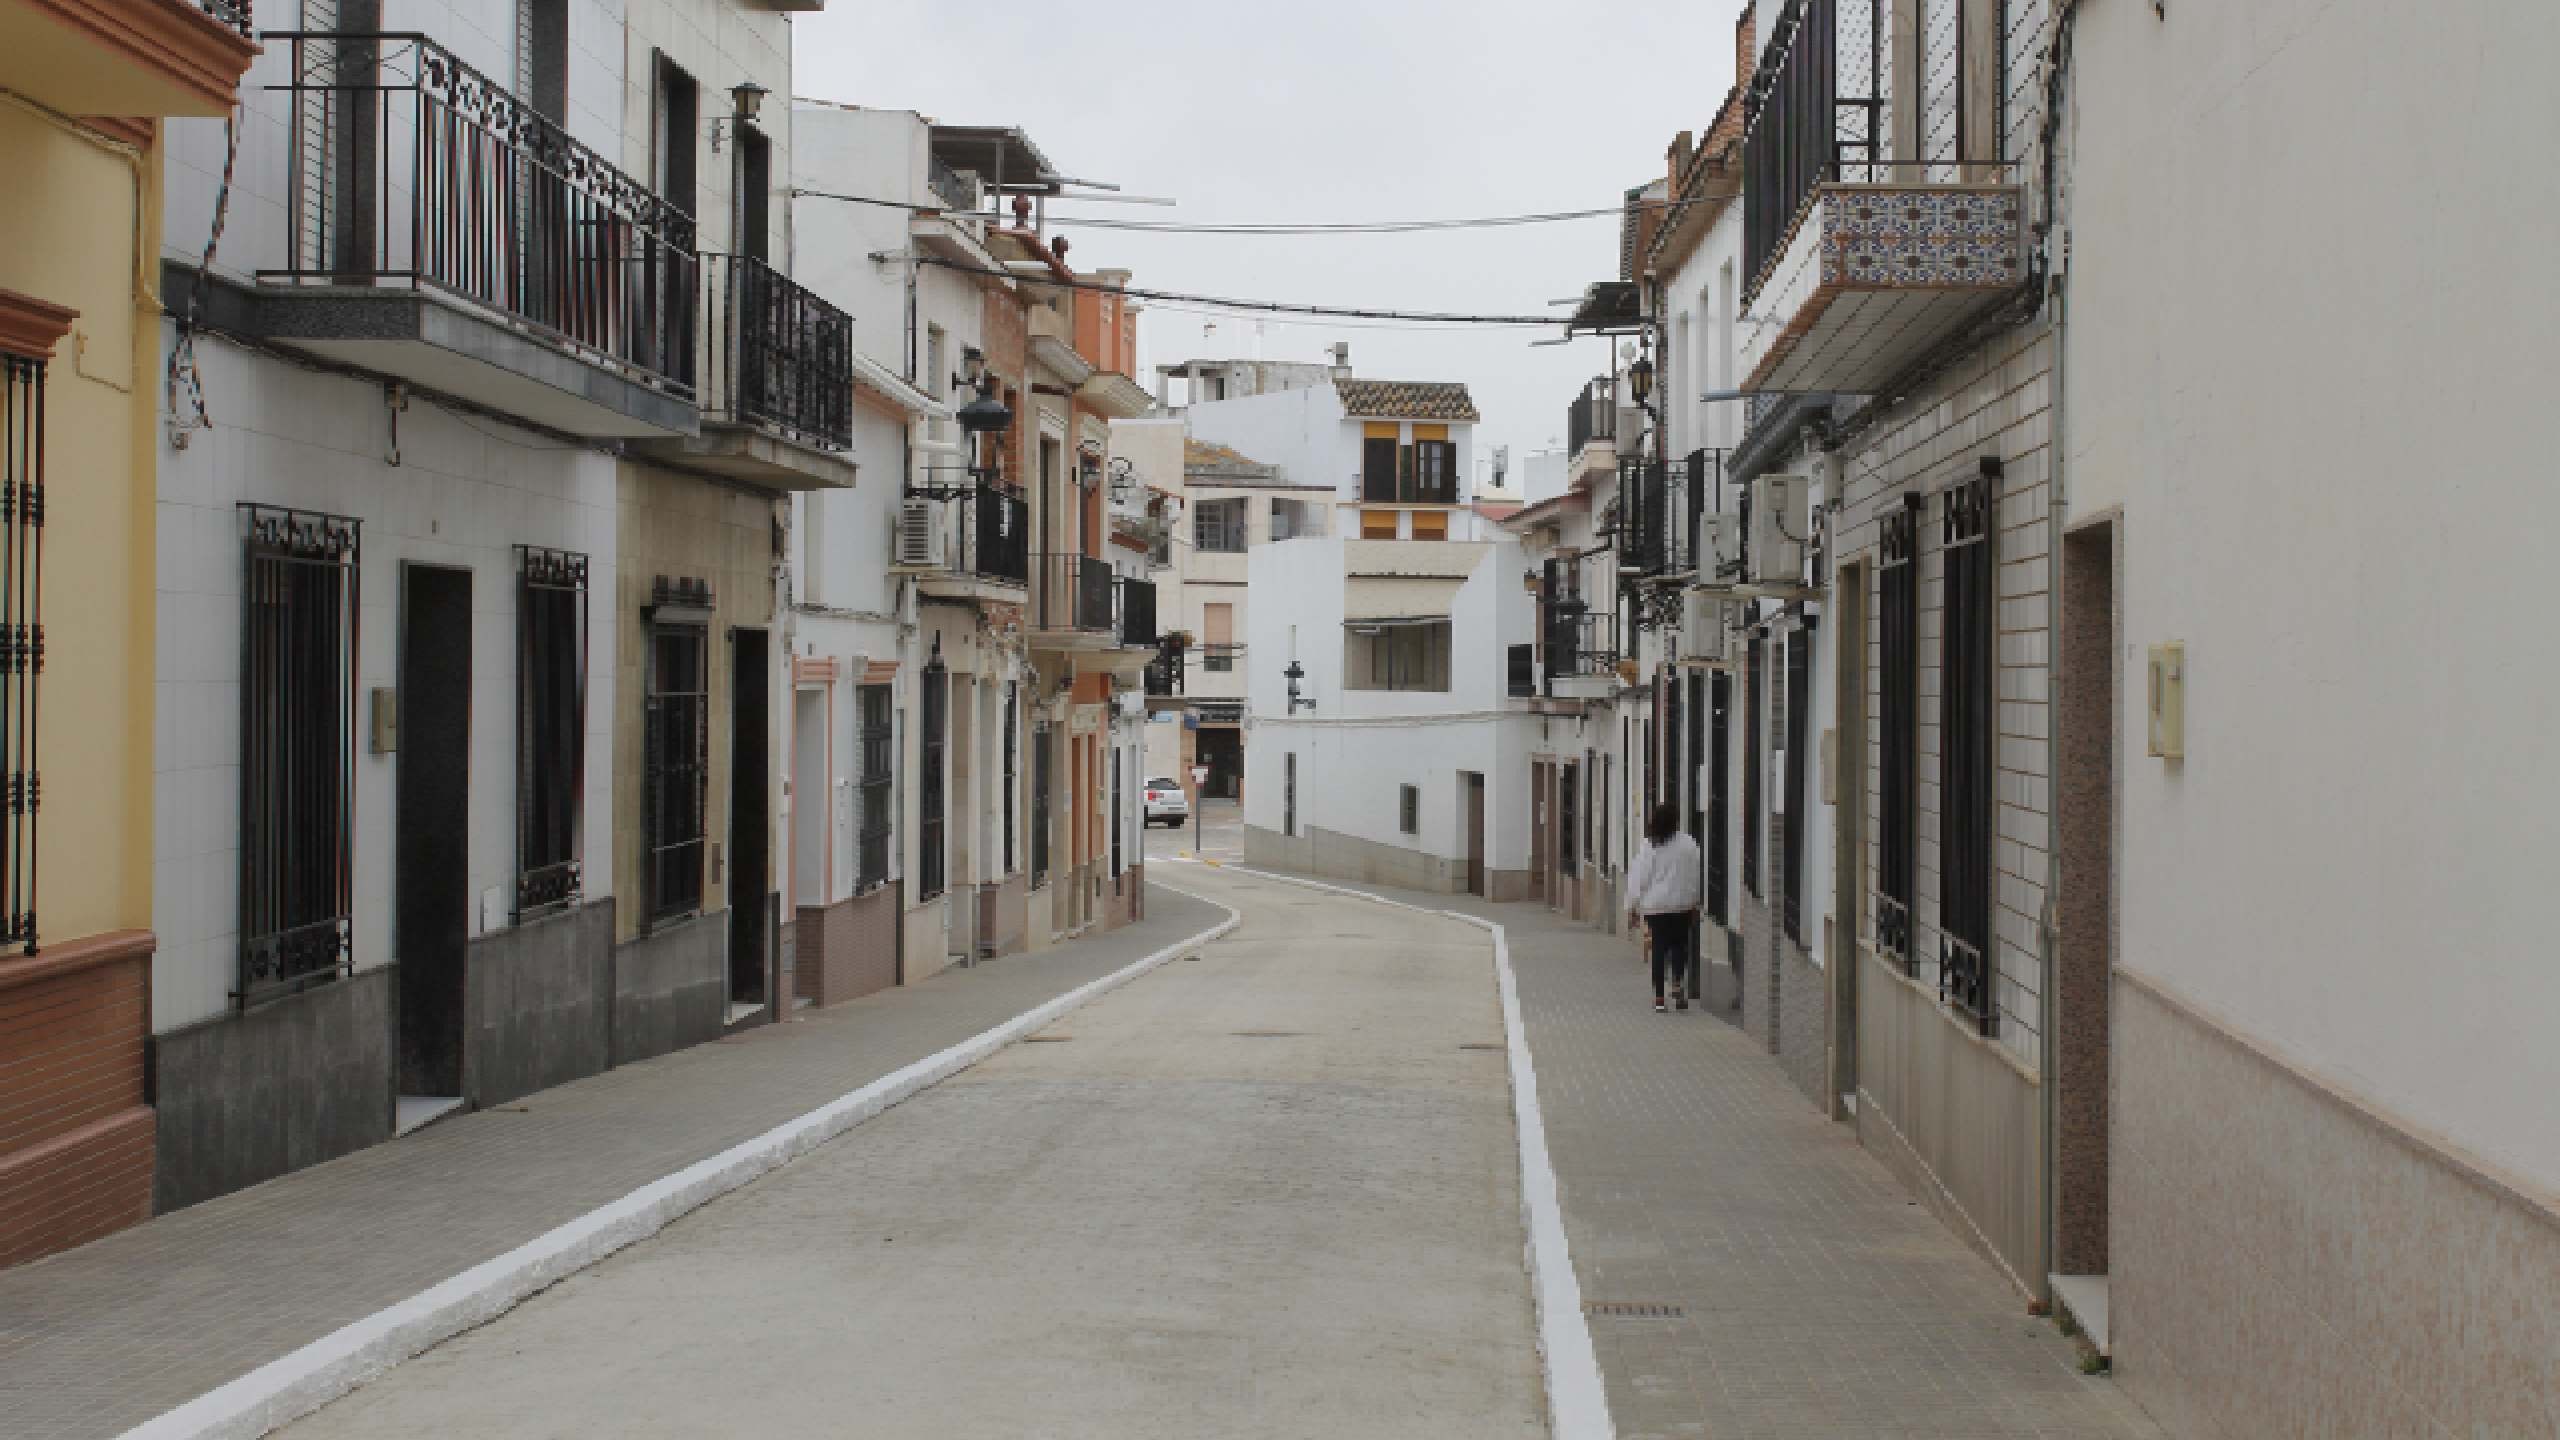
[1275, 307]
[1293, 227]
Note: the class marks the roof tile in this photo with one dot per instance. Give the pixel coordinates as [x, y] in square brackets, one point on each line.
[1406, 400]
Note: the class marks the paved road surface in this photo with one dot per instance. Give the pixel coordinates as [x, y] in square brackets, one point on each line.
[1273, 1191]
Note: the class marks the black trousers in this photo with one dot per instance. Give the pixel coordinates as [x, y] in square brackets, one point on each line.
[1670, 937]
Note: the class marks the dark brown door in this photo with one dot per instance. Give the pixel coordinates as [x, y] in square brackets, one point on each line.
[1475, 834]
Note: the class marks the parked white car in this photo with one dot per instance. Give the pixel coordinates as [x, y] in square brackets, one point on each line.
[1166, 804]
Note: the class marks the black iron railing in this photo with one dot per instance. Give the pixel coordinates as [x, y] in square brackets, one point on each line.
[1581, 644]
[676, 751]
[1164, 673]
[1719, 796]
[1593, 415]
[1523, 671]
[1043, 764]
[298, 652]
[1794, 825]
[1968, 709]
[933, 720]
[551, 728]
[22, 496]
[1817, 98]
[1070, 592]
[778, 355]
[1898, 731]
[411, 168]
[1137, 612]
[1661, 502]
[879, 794]
[234, 15]
[1220, 658]
[1754, 699]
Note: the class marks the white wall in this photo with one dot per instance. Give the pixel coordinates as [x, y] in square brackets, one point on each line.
[467, 491]
[2335, 483]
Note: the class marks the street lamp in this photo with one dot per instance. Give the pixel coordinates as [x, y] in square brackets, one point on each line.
[1294, 674]
[1640, 380]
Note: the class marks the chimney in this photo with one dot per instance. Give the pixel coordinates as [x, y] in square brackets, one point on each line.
[1342, 360]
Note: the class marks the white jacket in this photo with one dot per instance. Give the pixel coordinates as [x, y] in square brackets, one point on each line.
[1664, 879]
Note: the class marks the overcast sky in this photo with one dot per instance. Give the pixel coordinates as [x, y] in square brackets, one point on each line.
[1324, 110]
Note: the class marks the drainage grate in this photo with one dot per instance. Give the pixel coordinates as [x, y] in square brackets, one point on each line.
[1634, 1309]
[1265, 1034]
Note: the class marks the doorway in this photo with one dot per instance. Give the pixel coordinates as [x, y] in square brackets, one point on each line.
[432, 797]
[1847, 768]
[1471, 786]
[810, 862]
[2085, 910]
[1221, 748]
[750, 824]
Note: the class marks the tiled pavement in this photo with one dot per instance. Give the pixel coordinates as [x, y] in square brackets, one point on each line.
[97, 1340]
[1818, 1299]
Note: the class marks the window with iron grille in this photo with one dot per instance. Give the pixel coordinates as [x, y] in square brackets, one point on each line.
[551, 728]
[678, 766]
[1218, 526]
[1409, 809]
[933, 718]
[1012, 766]
[1042, 745]
[1966, 798]
[1898, 731]
[21, 642]
[1755, 686]
[1719, 788]
[876, 711]
[297, 750]
[1796, 822]
[1289, 794]
[1397, 657]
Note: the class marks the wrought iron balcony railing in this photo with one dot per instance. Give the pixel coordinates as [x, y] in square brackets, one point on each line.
[1593, 415]
[234, 14]
[410, 168]
[1661, 502]
[1164, 673]
[1580, 644]
[778, 355]
[1071, 592]
[1137, 612]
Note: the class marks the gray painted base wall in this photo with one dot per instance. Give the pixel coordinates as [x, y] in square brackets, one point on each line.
[1348, 857]
[1804, 1021]
[538, 1005]
[2285, 1262]
[1759, 973]
[671, 988]
[248, 1097]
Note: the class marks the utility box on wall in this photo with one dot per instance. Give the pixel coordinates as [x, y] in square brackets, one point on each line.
[1781, 523]
[2169, 700]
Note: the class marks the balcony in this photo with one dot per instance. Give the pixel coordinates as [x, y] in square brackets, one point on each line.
[1164, 673]
[1591, 432]
[1661, 504]
[1137, 613]
[444, 232]
[1071, 602]
[777, 391]
[127, 58]
[956, 191]
[1863, 263]
[972, 545]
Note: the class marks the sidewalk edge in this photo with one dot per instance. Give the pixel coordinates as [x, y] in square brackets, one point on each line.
[294, 1385]
[1577, 1399]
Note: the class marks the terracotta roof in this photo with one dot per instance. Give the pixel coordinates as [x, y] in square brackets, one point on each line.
[1406, 400]
[1206, 453]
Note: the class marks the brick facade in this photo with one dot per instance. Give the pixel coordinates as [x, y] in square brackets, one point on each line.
[77, 1139]
[848, 949]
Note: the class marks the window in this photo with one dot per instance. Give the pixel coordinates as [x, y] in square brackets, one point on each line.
[1898, 732]
[297, 737]
[1435, 473]
[877, 742]
[1719, 784]
[1799, 700]
[1756, 686]
[1289, 793]
[1291, 519]
[933, 719]
[1409, 809]
[1377, 524]
[671, 140]
[1217, 638]
[1218, 526]
[1430, 525]
[21, 613]
[1119, 812]
[1568, 845]
[551, 727]
[937, 372]
[1380, 456]
[1965, 814]
[1590, 767]
[1397, 657]
[678, 761]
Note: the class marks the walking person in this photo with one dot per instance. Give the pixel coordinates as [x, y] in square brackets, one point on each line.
[1662, 895]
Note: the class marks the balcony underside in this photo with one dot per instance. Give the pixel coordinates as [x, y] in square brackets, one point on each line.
[444, 346]
[121, 57]
[756, 456]
[1127, 663]
[961, 585]
[1081, 642]
[1585, 687]
[1875, 277]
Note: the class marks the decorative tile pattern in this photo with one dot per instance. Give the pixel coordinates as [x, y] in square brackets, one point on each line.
[1922, 235]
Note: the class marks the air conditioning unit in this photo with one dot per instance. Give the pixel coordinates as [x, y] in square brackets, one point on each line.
[924, 534]
[1781, 522]
[1702, 626]
[1719, 547]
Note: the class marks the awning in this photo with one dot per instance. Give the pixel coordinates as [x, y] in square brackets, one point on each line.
[1400, 599]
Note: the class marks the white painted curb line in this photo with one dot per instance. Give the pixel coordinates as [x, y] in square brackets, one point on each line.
[1577, 1400]
[286, 1389]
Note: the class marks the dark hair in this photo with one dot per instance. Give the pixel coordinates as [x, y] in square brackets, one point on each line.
[1665, 823]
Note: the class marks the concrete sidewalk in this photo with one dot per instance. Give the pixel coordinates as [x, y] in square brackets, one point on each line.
[99, 1339]
[1807, 1294]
